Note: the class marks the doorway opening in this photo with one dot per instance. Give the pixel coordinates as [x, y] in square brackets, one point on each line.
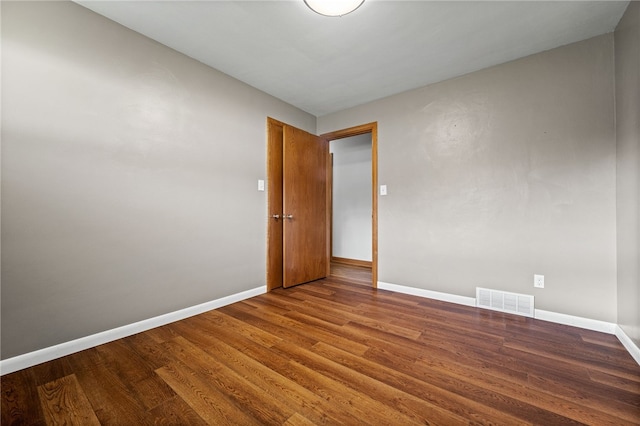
[369, 132]
[350, 201]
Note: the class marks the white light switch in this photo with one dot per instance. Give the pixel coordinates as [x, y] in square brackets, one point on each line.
[383, 189]
[260, 185]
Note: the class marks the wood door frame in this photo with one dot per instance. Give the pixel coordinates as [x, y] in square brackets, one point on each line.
[330, 204]
[355, 131]
[274, 203]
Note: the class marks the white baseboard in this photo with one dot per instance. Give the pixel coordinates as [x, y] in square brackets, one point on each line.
[445, 297]
[629, 345]
[586, 323]
[30, 359]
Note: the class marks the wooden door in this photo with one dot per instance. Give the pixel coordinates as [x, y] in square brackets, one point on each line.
[297, 246]
[305, 225]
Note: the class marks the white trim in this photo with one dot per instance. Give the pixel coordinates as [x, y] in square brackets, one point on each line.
[629, 344]
[47, 354]
[586, 323]
[30, 359]
[445, 297]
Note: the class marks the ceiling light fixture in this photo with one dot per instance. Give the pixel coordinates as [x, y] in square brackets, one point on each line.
[333, 7]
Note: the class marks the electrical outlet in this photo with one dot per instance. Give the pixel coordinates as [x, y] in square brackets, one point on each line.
[538, 281]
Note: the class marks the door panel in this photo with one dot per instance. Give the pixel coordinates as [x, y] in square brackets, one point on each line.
[305, 245]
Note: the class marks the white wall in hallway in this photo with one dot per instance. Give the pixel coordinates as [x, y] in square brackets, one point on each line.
[352, 197]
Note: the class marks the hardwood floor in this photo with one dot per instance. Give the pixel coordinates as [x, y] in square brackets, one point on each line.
[354, 274]
[337, 352]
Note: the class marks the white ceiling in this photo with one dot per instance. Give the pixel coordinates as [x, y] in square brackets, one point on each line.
[323, 65]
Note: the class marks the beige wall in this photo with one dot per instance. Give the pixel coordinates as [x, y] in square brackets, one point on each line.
[627, 54]
[129, 177]
[502, 174]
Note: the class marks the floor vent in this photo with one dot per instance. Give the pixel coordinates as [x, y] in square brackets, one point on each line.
[513, 303]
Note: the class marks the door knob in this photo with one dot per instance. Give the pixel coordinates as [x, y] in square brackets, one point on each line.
[275, 216]
[287, 216]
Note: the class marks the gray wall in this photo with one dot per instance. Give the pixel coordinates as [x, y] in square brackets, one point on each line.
[627, 54]
[352, 197]
[502, 174]
[129, 176]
